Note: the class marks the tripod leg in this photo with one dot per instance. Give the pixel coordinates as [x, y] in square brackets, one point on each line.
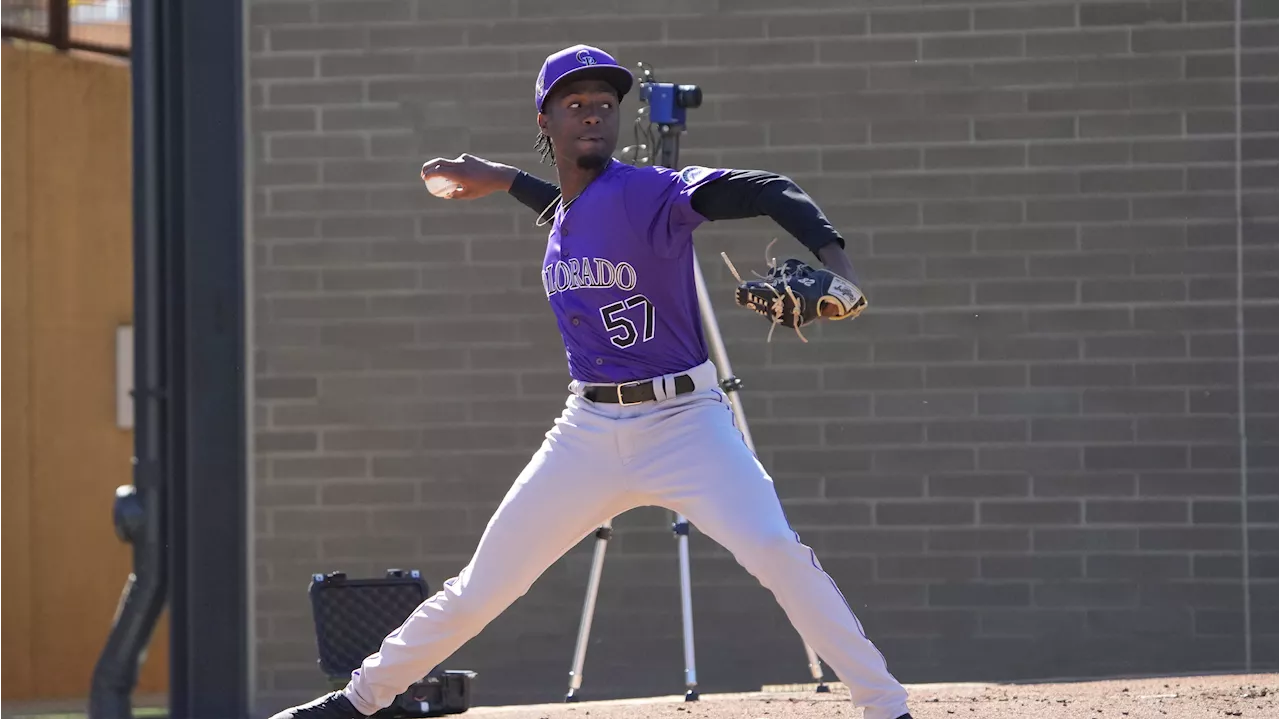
[588, 610]
[681, 529]
[815, 669]
[730, 385]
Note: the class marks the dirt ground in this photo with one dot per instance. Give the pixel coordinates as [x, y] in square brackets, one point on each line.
[1251, 696]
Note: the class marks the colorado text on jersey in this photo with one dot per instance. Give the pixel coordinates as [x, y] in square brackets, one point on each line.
[576, 274]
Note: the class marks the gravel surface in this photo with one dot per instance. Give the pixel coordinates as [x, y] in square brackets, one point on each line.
[1251, 696]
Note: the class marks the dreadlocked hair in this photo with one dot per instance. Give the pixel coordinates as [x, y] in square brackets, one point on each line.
[543, 147]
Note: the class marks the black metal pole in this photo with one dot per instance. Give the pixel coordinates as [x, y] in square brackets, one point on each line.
[140, 509]
[670, 146]
[186, 513]
[60, 23]
[209, 523]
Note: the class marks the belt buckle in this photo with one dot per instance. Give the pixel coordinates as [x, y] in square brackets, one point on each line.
[623, 402]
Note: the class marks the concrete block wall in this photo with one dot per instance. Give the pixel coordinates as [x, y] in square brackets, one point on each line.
[1023, 461]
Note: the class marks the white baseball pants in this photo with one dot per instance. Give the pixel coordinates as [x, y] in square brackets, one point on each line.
[682, 453]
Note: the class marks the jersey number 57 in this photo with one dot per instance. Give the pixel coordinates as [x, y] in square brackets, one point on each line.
[615, 322]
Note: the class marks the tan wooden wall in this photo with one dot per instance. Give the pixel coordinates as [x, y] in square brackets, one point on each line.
[67, 285]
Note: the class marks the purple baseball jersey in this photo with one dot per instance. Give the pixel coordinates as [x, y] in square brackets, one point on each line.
[619, 274]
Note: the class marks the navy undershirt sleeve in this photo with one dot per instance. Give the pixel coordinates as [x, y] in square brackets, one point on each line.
[533, 192]
[742, 194]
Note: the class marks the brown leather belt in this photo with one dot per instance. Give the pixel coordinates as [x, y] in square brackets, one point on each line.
[634, 392]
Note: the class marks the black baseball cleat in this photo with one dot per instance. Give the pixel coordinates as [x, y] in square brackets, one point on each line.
[334, 705]
[905, 716]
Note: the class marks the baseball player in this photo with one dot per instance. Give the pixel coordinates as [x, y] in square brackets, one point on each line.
[645, 422]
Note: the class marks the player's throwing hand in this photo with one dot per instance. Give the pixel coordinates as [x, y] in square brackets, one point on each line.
[466, 177]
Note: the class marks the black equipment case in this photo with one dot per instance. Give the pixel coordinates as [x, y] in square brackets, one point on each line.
[353, 616]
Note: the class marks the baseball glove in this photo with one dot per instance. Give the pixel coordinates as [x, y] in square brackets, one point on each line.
[795, 294]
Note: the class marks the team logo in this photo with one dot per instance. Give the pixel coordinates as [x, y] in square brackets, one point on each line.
[693, 174]
[584, 58]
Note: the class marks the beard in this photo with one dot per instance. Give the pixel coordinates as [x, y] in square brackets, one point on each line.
[592, 162]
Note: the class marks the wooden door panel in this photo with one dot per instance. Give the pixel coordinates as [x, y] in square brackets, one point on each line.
[15, 491]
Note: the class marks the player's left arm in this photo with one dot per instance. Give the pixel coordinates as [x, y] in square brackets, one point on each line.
[740, 194]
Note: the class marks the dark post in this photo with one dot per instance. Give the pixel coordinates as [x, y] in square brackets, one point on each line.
[186, 512]
[208, 538]
[60, 23]
[139, 511]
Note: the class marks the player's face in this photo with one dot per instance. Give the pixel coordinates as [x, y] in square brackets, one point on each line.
[582, 122]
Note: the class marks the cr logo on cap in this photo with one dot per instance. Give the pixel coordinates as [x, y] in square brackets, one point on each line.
[584, 58]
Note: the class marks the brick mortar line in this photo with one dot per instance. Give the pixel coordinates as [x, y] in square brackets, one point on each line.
[856, 202]
[408, 293]
[866, 228]
[427, 455]
[515, 22]
[755, 12]
[972, 62]
[868, 121]
[712, 96]
[1080, 112]
[974, 171]
[717, 283]
[838, 173]
[1033, 444]
[861, 366]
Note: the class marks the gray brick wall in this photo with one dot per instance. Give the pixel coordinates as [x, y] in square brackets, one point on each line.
[1023, 461]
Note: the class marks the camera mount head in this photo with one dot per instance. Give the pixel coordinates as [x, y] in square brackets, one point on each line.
[667, 105]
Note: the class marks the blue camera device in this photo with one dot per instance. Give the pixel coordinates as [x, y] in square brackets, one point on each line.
[661, 119]
[669, 102]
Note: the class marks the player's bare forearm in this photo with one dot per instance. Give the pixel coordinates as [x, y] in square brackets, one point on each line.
[467, 177]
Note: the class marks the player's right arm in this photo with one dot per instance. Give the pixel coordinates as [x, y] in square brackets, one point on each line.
[476, 177]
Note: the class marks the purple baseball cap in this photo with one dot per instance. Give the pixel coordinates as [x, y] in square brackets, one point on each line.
[579, 62]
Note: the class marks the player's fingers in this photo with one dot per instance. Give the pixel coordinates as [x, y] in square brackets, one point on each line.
[436, 166]
[443, 176]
